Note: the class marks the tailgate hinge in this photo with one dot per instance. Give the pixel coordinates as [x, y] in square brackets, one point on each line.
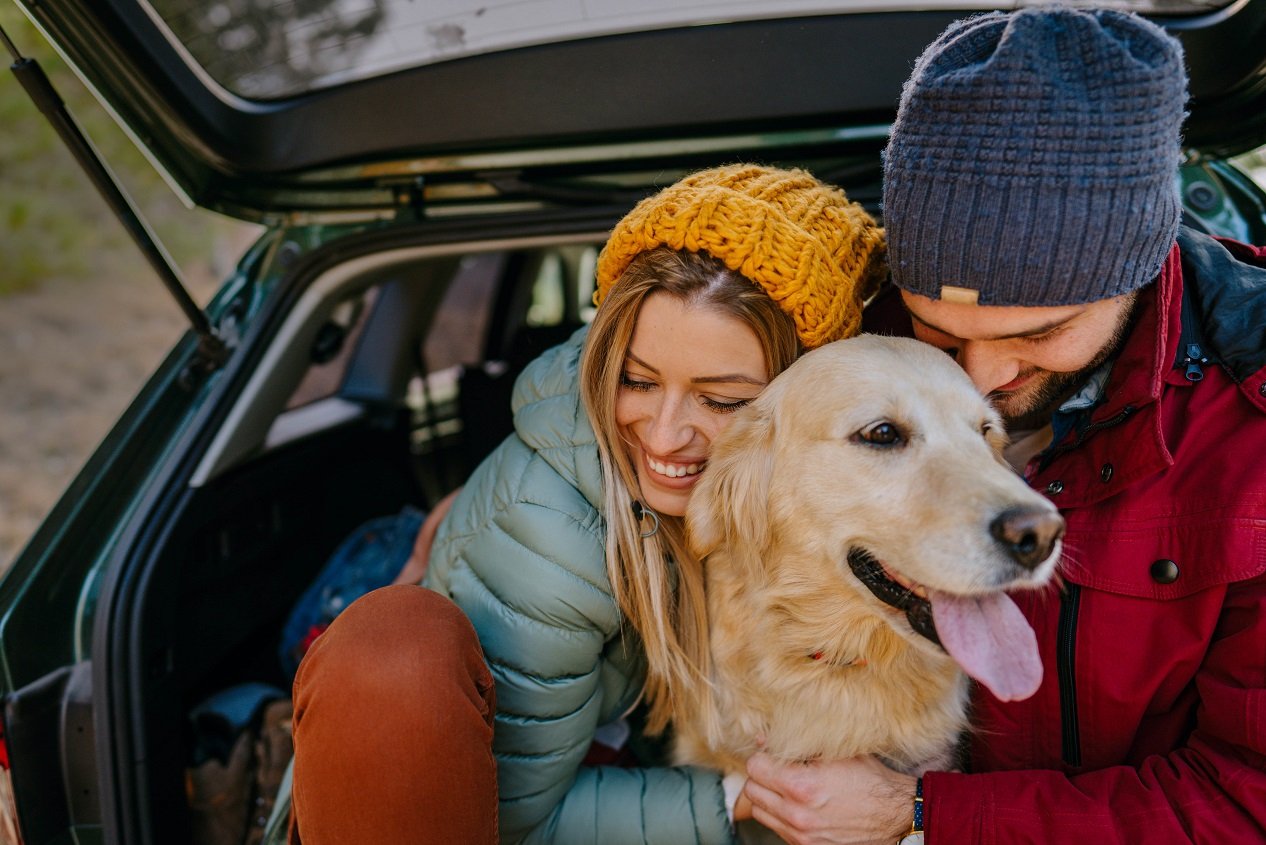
[410, 199]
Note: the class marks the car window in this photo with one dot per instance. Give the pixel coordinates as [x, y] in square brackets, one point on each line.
[333, 350]
[459, 332]
[561, 285]
[278, 48]
[500, 312]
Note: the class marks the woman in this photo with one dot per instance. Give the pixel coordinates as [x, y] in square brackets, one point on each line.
[565, 550]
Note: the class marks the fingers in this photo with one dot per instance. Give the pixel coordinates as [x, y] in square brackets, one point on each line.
[775, 824]
[775, 791]
[760, 794]
[849, 800]
[793, 823]
[794, 781]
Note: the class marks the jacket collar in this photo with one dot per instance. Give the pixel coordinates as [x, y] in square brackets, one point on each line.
[550, 417]
[1224, 309]
[1145, 363]
[1082, 468]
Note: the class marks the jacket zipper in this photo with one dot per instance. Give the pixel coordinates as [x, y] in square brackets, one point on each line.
[1066, 661]
[1192, 361]
[1066, 634]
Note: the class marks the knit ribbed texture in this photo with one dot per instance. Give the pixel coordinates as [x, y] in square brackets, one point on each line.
[814, 252]
[1034, 158]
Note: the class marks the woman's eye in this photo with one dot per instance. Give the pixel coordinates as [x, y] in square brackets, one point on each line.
[881, 434]
[724, 406]
[633, 384]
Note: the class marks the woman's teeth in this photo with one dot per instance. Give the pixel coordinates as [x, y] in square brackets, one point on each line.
[674, 470]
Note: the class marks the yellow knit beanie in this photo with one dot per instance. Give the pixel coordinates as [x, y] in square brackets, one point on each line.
[816, 253]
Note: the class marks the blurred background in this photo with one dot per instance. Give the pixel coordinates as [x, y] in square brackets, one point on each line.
[83, 319]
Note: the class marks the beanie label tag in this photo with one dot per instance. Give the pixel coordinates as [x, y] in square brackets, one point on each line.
[963, 296]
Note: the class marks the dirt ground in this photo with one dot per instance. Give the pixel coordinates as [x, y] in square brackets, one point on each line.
[73, 354]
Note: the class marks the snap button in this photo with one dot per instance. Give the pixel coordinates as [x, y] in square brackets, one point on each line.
[1105, 474]
[1164, 571]
[1261, 388]
[1054, 488]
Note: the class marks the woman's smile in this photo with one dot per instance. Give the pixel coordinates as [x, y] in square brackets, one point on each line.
[674, 473]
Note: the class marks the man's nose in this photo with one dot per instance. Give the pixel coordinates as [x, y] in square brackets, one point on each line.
[987, 367]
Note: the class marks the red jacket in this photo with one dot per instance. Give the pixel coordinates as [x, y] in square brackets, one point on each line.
[1150, 724]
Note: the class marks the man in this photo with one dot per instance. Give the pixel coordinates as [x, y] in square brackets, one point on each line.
[1033, 225]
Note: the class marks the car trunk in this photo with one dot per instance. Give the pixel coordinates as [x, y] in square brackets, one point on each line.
[394, 415]
[402, 247]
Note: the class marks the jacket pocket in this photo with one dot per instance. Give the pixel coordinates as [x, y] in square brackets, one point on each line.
[1165, 557]
[1139, 607]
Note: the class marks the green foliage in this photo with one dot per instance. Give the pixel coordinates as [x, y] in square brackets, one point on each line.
[1254, 164]
[52, 221]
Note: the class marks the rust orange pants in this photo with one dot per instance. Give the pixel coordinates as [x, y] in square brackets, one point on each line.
[393, 727]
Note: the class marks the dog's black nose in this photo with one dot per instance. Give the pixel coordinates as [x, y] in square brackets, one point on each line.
[1027, 534]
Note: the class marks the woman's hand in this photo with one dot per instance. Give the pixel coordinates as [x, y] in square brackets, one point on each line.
[415, 569]
[857, 800]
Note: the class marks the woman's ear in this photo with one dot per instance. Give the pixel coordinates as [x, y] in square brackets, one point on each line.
[730, 505]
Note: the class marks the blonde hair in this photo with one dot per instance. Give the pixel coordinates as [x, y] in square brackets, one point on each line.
[657, 583]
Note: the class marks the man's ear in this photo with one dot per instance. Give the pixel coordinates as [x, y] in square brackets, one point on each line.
[731, 503]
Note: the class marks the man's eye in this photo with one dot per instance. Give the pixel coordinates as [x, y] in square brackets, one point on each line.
[1034, 340]
[882, 434]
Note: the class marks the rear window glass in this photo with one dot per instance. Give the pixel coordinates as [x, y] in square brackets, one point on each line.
[266, 49]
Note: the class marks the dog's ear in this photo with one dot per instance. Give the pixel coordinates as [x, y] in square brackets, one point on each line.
[998, 439]
[731, 504]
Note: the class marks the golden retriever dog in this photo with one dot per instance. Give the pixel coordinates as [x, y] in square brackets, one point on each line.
[859, 528]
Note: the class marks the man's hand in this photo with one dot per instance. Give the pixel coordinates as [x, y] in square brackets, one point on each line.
[854, 801]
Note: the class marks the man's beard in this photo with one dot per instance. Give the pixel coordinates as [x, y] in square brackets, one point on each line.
[1049, 390]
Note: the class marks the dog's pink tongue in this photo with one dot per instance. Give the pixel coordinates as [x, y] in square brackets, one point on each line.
[991, 640]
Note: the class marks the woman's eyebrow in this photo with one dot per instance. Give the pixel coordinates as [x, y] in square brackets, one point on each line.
[732, 378]
[640, 362]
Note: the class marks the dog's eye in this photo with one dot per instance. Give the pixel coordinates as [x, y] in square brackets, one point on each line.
[881, 434]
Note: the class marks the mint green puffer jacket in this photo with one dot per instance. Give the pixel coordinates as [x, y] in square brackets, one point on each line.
[521, 553]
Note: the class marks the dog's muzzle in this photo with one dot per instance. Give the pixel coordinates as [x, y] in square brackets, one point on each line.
[918, 610]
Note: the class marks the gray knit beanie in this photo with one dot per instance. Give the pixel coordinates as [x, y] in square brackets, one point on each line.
[1034, 159]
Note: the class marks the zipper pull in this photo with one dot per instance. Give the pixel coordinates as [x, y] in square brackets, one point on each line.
[1195, 357]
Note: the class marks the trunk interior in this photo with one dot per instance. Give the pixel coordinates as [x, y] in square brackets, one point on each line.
[403, 389]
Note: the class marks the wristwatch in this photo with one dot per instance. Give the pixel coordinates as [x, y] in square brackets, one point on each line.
[915, 836]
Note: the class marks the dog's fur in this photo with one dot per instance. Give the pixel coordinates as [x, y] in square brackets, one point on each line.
[790, 487]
